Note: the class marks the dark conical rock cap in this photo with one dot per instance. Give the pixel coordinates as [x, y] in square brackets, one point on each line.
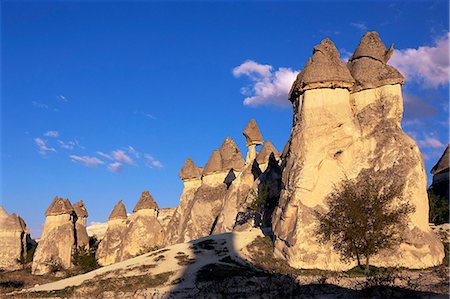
[146, 201]
[323, 70]
[443, 163]
[372, 46]
[252, 133]
[189, 170]
[119, 211]
[3, 213]
[231, 155]
[368, 64]
[266, 150]
[59, 206]
[80, 209]
[214, 163]
[13, 223]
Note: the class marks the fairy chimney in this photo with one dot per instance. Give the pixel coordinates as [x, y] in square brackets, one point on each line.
[253, 138]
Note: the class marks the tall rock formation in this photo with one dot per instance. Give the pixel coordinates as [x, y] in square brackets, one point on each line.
[144, 230]
[191, 176]
[253, 138]
[440, 171]
[59, 237]
[347, 120]
[14, 237]
[80, 224]
[110, 248]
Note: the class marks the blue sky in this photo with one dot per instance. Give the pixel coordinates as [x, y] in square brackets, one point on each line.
[103, 100]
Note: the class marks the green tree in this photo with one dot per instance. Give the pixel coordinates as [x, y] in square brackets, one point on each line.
[365, 216]
[439, 208]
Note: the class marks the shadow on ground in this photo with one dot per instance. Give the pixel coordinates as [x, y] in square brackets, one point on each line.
[235, 278]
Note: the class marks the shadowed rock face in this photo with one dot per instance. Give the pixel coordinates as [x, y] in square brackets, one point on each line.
[323, 69]
[440, 173]
[337, 134]
[266, 150]
[252, 134]
[13, 240]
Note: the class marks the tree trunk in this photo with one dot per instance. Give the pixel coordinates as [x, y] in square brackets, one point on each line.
[359, 260]
[367, 265]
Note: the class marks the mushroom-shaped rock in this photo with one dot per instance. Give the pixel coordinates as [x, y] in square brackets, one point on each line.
[231, 155]
[146, 201]
[3, 213]
[80, 209]
[266, 150]
[323, 70]
[14, 223]
[119, 212]
[214, 163]
[59, 206]
[252, 134]
[371, 46]
[189, 171]
[442, 164]
[368, 64]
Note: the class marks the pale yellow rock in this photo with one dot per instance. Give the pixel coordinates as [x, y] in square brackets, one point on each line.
[110, 248]
[13, 240]
[335, 135]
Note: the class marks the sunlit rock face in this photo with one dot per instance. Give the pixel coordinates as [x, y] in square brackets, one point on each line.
[191, 175]
[62, 233]
[347, 119]
[144, 231]
[110, 248]
[13, 239]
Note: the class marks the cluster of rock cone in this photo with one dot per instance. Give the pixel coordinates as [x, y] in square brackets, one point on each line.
[346, 122]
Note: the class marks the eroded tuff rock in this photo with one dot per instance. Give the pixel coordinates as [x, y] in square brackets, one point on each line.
[189, 171]
[368, 64]
[263, 156]
[336, 135]
[110, 248]
[14, 237]
[60, 236]
[144, 231]
[323, 70]
[253, 138]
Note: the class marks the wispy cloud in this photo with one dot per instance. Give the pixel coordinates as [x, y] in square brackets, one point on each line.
[54, 134]
[417, 107]
[87, 160]
[426, 65]
[430, 142]
[102, 154]
[115, 167]
[151, 162]
[62, 98]
[148, 115]
[121, 156]
[268, 86]
[132, 151]
[360, 26]
[39, 105]
[43, 148]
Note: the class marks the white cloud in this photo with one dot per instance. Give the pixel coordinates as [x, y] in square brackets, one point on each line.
[66, 145]
[425, 65]
[152, 162]
[54, 134]
[43, 148]
[268, 86]
[115, 167]
[120, 156]
[251, 68]
[360, 26]
[87, 160]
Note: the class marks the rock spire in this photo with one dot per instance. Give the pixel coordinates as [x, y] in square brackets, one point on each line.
[146, 201]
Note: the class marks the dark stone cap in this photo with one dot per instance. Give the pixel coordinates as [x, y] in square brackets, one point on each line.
[119, 211]
[252, 133]
[189, 170]
[59, 206]
[146, 201]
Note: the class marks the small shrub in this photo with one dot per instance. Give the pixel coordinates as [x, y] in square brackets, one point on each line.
[84, 260]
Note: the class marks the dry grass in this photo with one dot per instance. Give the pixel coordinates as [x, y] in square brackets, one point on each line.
[21, 279]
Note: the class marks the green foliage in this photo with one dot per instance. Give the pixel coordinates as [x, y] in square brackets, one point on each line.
[84, 259]
[364, 217]
[439, 208]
